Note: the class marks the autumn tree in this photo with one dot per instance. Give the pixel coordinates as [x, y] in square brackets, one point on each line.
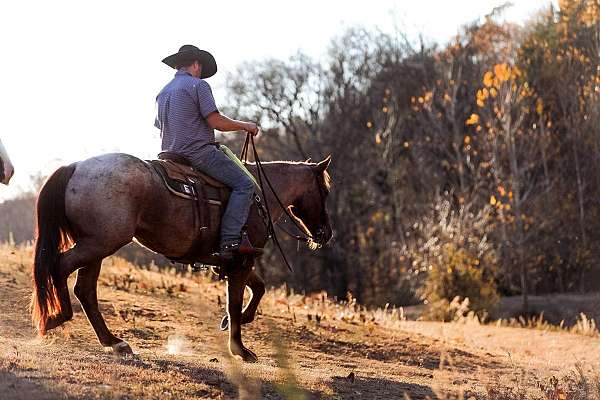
[503, 118]
[561, 58]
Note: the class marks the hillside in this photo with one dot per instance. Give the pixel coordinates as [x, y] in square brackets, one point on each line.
[308, 347]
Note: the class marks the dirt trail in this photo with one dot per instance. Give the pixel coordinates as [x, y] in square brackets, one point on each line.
[171, 322]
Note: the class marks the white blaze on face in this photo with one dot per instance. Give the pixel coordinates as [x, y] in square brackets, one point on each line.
[8, 168]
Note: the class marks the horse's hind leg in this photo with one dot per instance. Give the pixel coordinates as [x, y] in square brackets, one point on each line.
[86, 291]
[86, 255]
[69, 262]
[84, 252]
[66, 311]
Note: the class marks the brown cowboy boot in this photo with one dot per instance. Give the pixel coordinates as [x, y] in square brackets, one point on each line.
[229, 250]
[243, 247]
[246, 247]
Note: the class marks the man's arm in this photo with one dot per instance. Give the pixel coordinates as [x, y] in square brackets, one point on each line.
[215, 119]
[225, 124]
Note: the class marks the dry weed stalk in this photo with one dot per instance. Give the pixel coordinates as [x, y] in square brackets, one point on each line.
[320, 307]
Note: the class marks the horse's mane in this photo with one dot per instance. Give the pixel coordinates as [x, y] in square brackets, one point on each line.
[325, 182]
[286, 162]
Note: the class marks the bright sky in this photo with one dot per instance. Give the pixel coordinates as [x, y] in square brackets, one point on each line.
[79, 78]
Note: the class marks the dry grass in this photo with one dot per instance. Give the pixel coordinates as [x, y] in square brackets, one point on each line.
[308, 347]
[322, 308]
[583, 325]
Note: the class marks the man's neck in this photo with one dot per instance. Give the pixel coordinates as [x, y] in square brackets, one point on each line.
[191, 71]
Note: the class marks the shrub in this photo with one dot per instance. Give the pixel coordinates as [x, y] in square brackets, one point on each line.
[459, 274]
[457, 261]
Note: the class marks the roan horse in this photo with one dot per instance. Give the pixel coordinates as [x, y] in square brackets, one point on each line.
[6, 168]
[86, 211]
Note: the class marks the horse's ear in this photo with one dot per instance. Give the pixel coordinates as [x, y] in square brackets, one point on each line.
[322, 166]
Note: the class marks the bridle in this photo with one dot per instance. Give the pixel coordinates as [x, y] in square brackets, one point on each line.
[313, 241]
[306, 236]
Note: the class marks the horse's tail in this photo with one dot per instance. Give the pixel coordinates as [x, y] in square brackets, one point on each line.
[53, 234]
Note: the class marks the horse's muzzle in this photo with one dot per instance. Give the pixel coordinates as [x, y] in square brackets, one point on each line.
[323, 236]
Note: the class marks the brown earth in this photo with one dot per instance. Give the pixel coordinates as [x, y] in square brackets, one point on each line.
[171, 321]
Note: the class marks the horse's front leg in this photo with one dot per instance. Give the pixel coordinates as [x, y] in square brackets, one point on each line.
[257, 286]
[236, 283]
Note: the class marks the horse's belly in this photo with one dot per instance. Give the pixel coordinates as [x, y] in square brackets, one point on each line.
[166, 225]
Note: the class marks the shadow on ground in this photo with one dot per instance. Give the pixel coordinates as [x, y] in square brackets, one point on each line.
[408, 351]
[366, 388]
[27, 387]
[359, 388]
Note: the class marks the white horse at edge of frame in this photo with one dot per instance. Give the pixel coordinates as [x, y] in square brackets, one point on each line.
[6, 171]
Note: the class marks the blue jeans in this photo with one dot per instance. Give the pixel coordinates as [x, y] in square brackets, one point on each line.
[213, 162]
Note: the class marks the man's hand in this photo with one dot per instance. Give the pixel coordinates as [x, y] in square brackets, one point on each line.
[251, 128]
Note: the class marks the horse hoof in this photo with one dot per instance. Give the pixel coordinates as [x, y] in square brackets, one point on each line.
[249, 356]
[121, 348]
[246, 355]
[224, 323]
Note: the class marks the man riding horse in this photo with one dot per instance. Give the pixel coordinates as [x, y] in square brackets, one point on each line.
[187, 116]
[89, 209]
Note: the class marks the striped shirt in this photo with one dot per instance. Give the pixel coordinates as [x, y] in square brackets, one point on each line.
[182, 108]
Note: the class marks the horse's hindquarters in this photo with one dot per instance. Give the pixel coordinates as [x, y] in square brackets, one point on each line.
[114, 197]
[104, 196]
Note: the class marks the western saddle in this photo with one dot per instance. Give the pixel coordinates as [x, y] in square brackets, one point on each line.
[210, 196]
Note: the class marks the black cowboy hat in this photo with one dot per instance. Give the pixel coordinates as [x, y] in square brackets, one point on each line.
[187, 53]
